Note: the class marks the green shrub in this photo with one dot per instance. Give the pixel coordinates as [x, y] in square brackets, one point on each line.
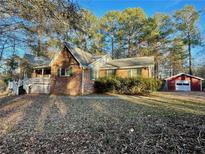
[3, 86]
[129, 86]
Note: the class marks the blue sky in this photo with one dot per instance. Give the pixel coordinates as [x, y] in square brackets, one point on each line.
[100, 7]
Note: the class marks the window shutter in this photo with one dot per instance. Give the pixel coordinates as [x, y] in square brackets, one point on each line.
[91, 73]
[139, 72]
[71, 71]
[129, 73]
[59, 72]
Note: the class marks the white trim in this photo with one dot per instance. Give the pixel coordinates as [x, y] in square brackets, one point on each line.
[111, 68]
[183, 74]
[98, 60]
[42, 72]
[201, 86]
[40, 67]
[65, 73]
[60, 72]
[127, 67]
[131, 73]
[180, 85]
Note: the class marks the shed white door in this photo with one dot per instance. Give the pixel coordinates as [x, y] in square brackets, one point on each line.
[183, 85]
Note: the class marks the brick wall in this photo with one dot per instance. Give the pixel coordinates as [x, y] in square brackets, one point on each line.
[66, 85]
[102, 73]
[124, 73]
[145, 73]
[88, 84]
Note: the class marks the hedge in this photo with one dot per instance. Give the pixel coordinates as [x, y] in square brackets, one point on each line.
[129, 86]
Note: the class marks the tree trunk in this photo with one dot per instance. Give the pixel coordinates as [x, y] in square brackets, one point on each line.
[112, 41]
[190, 56]
[2, 51]
[39, 49]
[129, 52]
[156, 68]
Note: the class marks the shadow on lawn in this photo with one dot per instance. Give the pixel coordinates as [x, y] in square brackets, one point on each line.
[103, 123]
[35, 111]
[166, 105]
[51, 101]
[12, 112]
[6, 99]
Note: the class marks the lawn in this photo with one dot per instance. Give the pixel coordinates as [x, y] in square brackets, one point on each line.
[161, 123]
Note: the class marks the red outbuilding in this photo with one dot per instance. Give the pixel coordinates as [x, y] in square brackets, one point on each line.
[183, 82]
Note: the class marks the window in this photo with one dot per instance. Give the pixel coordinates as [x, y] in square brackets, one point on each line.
[186, 84]
[93, 74]
[135, 72]
[65, 71]
[111, 72]
[179, 84]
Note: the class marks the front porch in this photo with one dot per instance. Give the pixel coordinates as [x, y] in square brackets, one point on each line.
[37, 85]
[41, 72]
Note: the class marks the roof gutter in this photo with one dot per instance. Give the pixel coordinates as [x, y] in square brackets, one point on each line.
[127, 67]
[183, 74]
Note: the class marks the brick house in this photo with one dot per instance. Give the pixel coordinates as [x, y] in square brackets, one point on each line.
[73, 71]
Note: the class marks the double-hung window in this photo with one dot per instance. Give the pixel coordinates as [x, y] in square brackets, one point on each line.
[63, 72]
[135, 72]
[111, 72]
[93, 74]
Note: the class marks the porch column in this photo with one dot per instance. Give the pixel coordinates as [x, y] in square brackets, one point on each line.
[34, 72]
[42, 72]
[149, 72]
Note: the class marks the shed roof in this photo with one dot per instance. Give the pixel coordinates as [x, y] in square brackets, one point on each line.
[130, 62]
[37, 61]
[172, 77]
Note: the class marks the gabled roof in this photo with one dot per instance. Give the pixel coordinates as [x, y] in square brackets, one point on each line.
[130, 62]
[84, 58]
[37, 61]
[172, 77]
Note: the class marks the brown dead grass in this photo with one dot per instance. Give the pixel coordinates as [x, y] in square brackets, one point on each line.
[102, 124]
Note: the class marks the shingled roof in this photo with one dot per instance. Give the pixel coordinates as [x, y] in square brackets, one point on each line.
[130, 62]
[84, 58]
[40, 61]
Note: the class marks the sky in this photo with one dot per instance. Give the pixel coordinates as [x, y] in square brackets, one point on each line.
[101, 7]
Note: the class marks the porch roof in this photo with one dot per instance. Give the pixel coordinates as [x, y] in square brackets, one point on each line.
[130, 62]
[41, 67]
[35, 61]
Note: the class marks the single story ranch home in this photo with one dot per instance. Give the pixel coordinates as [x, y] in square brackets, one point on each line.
[73, 71]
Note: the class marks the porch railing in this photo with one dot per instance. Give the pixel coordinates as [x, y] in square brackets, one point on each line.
[36, 82]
